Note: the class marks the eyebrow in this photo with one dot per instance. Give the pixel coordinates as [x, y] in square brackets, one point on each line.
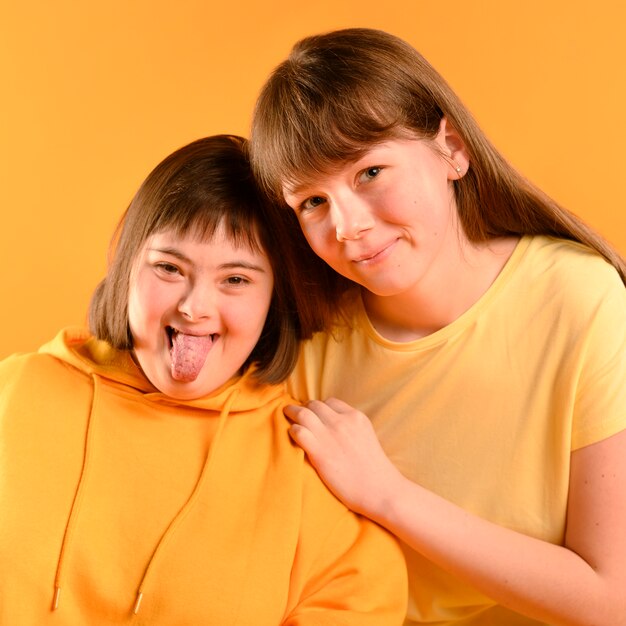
[305, 185]
[229, 265]
[244, 264]
[173, 252]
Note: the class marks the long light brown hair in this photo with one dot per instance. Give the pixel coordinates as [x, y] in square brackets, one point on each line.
[342, 92]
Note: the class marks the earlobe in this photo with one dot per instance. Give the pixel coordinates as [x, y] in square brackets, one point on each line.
[454, 150]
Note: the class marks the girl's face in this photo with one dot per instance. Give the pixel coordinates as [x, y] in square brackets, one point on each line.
[196, 310]
[386, 220]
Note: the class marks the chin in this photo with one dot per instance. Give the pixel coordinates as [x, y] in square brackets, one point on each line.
[188, 391]
[385, 290]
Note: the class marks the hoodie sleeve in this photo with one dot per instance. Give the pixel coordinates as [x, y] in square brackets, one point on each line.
[348, 570]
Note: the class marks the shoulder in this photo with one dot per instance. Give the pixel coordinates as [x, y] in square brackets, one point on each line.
[575, 264]
[40, 380]
[563, 297]
[320, 511]
[568, 278]
[28, 367]
[330, 528]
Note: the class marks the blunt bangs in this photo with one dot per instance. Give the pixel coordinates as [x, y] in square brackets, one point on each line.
[313, 133]
[335, 97]
[201, 218]
[197, 190]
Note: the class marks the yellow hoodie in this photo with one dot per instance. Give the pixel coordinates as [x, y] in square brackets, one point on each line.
[119, 505]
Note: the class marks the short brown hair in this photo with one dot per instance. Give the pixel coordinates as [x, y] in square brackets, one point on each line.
[339, 93]
[198, 188]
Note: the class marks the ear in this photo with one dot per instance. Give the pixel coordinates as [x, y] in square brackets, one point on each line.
[453, 149]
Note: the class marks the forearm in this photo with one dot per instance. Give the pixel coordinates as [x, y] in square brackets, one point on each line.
[581, 584]
[546, 582]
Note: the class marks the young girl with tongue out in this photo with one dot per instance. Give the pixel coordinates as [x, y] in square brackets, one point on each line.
[146, 472]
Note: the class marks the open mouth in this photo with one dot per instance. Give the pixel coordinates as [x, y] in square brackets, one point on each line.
[173, 333]
[188, 353]
[170, 334]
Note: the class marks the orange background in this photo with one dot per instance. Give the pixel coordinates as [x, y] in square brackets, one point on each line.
[94, 94]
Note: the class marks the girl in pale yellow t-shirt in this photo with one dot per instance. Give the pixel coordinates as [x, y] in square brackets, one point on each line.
[480, 326]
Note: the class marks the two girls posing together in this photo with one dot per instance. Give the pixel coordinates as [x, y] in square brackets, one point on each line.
[479, 328]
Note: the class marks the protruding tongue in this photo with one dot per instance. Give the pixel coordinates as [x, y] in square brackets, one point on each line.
[188, 355]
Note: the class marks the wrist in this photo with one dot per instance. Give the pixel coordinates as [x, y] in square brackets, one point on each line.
[386, 509]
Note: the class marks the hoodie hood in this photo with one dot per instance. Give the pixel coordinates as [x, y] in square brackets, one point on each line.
[80, 349]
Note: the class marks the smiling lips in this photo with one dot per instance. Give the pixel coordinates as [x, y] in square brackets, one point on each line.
[188, 354]
[377, 255]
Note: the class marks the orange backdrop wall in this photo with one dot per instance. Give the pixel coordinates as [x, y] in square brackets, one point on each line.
[94, 94]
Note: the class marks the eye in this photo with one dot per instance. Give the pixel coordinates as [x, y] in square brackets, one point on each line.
[237, 281]
[369, 173]
[312, 203]
[167, 268]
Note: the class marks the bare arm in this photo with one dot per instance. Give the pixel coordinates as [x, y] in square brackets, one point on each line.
[582, 583]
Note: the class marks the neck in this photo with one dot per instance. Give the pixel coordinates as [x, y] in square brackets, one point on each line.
[443, 295]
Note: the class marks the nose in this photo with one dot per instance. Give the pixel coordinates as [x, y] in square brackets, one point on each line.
[352, 217]
[198, 302]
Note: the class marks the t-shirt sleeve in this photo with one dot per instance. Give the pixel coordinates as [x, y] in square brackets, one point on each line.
[600, 404]
[305, 380]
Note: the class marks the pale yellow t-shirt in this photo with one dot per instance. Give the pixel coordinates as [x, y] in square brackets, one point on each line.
[487, 410]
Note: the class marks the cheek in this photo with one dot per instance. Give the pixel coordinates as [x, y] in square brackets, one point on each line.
[252, 316]
[321, 237]
[135, 309]
[239, 315]
[261, 307]
[145, 303]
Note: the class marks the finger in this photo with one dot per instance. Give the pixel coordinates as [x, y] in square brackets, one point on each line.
[292, 411]
[339, 405]
[322, 410]
[302, 416]
[305, 439]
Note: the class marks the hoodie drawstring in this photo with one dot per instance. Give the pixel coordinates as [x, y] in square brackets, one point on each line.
[186, 508]
[173, 525]
[78, 497]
